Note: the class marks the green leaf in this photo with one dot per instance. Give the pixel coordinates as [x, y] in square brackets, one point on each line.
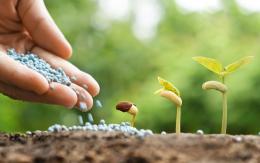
[168, 86]
[211, 64]
[234, 66]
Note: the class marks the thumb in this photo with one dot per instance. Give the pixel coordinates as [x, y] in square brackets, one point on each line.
[41, 27]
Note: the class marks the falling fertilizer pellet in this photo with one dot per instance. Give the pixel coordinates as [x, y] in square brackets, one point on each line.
[124, 127]
[90, 118]
[80, 120]
[35, 63]
[99, 104]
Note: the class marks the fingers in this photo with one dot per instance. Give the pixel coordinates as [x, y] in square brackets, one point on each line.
[78, 77]
[58, 95]
[85, 100]
[14, 73]
[42, 28]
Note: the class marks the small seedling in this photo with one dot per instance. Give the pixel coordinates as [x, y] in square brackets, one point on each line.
[129, 107]
[216, 67]
[170, 92]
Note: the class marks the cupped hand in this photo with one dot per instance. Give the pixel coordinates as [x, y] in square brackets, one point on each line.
[26, 25]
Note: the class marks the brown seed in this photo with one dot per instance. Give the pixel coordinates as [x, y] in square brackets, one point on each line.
[124, 106]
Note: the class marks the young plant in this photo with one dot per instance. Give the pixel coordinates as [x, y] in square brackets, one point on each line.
[216, 67]
[126, 106]
[170, 92]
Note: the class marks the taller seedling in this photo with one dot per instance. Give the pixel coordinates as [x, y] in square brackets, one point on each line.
[216, 67]
[170, 92]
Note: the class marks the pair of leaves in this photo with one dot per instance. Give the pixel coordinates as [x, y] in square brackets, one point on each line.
[216, 67]
[167, 86]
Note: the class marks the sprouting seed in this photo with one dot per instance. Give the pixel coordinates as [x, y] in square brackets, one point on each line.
[170, 92]
[216, 67]
[90, 118]
[129, 107]
[99, 104]
[80, 118]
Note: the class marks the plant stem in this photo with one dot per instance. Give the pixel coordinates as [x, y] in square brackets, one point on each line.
[224, 111]
[178, 120]
[224, 114]
[133, 121]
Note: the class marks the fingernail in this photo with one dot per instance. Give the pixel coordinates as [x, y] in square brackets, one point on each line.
[51, 86]
[73, 78]
[83, 107]
[85, 86]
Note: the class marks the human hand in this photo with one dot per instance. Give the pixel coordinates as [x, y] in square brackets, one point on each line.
[26, 25]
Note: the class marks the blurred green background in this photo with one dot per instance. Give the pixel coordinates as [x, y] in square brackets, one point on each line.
[126, 44]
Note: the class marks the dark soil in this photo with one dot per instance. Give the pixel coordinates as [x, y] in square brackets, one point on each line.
[115, 147]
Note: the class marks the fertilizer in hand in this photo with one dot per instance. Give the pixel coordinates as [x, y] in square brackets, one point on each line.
[35, 63]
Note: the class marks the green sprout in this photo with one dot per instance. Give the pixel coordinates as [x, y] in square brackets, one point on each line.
[216, 67]
[170, 92]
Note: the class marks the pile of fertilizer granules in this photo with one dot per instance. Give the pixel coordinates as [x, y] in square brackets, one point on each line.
[102, 126]
[34, 62]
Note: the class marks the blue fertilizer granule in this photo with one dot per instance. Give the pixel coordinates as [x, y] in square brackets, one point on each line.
[200, 132]
[99, 104]
[41, 66]
[124, 127]
[90, 118]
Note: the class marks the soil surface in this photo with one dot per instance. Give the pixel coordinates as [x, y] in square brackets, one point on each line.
[109, 147]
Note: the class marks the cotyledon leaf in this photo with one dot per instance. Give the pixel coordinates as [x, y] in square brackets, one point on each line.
[211, 64]
[237, 64]
[167, 86]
